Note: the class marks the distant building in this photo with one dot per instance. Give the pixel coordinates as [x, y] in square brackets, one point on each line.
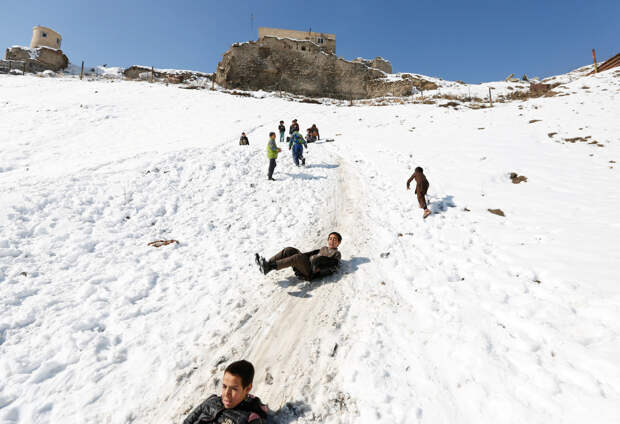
[327, 42]
[45, 37]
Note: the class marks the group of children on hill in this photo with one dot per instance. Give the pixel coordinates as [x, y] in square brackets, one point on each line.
[296, 143]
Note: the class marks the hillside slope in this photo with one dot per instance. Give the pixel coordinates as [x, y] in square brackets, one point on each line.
[464, 317]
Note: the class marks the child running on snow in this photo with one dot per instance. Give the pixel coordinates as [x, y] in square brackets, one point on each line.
[282, 130]
[421, 188]
[309, 265]
[272, 154]
[236, 404]
[243, 141]
[297, 143]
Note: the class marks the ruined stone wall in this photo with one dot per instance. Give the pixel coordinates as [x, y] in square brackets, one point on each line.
[300, 67]
[327, 42]
[45, 57]
[377, 63]
[175, 77]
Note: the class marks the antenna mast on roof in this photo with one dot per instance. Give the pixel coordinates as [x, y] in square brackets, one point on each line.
[252, 23]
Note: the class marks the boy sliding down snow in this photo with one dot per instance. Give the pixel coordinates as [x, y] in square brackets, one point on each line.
[307, 266]
[421, 187]
[235, 405]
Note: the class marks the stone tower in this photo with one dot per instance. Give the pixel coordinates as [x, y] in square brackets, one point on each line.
[45, 37]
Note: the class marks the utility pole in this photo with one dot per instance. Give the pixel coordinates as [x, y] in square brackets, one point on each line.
[594, 59]
[251, 25]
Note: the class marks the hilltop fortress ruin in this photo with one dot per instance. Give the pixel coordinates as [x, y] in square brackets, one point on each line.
[305, 63]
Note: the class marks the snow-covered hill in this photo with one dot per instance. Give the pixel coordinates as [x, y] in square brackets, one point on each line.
[465, 317]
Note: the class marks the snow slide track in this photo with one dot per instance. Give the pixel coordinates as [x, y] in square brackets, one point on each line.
[296, 347]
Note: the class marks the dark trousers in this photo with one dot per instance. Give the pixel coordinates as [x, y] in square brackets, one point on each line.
[291, 257]
[272, 166]
[298, 151]
[421, 193]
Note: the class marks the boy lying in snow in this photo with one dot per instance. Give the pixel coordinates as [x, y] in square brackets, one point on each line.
[307, 266]
[236, 405]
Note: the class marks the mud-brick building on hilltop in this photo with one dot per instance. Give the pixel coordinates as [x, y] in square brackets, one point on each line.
[45, 37]
[327, 42]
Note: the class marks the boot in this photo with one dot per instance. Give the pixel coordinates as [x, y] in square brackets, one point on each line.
[266, 266]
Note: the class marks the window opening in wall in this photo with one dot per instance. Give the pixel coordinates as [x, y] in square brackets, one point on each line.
[58, 41]
[303, 48]
[44, 35]
[320, 41]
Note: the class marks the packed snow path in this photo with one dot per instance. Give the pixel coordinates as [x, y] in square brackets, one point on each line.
[464, 317]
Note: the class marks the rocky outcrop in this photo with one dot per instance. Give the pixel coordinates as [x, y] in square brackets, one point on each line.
[300, 67]
[173, 76]
[39, 58]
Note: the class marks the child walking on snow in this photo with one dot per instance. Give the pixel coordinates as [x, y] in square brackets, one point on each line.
[297, 143]
[421, 187]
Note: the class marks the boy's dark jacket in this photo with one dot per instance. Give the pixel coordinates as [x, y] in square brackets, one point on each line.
[212, 410]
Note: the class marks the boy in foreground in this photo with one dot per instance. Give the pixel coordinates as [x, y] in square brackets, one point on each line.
[307, 266]
[421, 187]
[235, 405]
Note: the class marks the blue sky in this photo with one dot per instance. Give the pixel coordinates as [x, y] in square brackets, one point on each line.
[473, 41]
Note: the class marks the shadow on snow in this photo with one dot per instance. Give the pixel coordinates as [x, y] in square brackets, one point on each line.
[304, 176]
[323, 165]
[306, 287]
[290, 412]
[439, 206]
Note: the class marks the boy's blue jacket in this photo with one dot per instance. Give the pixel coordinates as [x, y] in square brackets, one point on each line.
[297, 140]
